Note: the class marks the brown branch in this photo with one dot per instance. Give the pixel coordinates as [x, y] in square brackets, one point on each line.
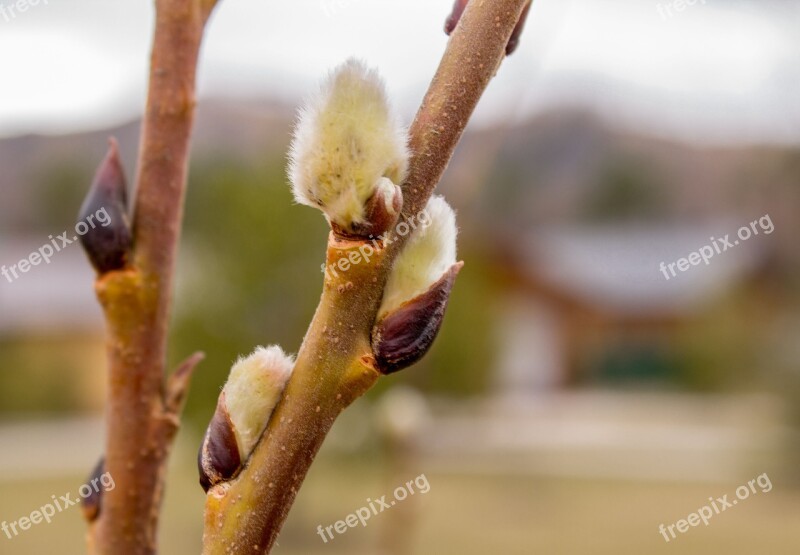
[141, 416]
[335, 365]
[473, 56]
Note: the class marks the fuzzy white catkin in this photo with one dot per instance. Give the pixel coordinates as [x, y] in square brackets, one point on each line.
[346, 139]
[254, 387]
[428, 254]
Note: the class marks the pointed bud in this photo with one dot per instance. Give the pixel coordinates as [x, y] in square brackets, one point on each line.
[347, 146]
[92, 504]
[405, 335]
[458, 11]
[245, 405]
[455, 16]
[513, 42]
[417, 290]
[104, 216]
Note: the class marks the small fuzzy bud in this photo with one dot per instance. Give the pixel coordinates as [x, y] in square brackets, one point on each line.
[458, 10]
[348, 146]
[92, 504]
[417, 291]
[104, 216]
[428, 254]
[253, 389]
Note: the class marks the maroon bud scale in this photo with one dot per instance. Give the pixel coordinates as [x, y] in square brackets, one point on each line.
[104, 216]
[403, 336]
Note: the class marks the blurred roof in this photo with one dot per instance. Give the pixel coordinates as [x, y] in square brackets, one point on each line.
[50, 297]
[617, 268]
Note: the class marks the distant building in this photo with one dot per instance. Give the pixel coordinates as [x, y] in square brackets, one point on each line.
[593, 303]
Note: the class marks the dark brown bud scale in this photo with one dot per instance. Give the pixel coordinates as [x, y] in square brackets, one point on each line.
[513, 42]
[91, 505]
[218, 459]
[455, 16]
[403, 337]
[380, 215]
[107, 240]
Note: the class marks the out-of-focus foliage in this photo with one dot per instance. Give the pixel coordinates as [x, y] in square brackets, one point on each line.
[625, 190]
[39, 375]
[59, 195]
[250, 275]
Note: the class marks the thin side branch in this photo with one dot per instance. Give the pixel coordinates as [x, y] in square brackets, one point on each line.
[178, 384]
[142, 411]
[335, 364]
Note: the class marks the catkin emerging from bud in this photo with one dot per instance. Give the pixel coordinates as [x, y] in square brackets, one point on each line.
[347, 139]
[417, 291]
[253, 389]
[428, 254]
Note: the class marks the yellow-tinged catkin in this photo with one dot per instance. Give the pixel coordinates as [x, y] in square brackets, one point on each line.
[254, 386]
[346, 140]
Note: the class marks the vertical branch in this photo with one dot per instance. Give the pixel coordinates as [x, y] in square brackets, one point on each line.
[143, 409]
[335, 364]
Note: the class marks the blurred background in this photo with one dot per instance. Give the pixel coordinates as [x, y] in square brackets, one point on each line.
[575, 399]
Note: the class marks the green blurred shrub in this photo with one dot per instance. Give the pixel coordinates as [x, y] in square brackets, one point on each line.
[250, 274]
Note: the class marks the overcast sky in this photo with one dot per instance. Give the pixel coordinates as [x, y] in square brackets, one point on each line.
[720, 70]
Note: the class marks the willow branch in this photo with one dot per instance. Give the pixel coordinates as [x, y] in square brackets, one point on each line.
[335, 364]
[142, 411]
